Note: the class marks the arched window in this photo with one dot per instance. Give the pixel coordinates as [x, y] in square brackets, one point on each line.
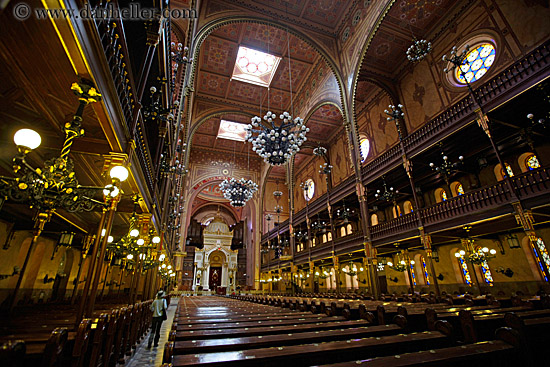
[329, 236]
[487, 276]
[476, 64]
[500, 174]
[440, 195]
[407, 207]
[464, 270]
[425, 270]
[528, 161]
[310, 191]
[508, 172]
[413, 275]
[457, 189]
[364, 147]
[532, 162]
[374, 220]
[541, 255]
[396, 211]
[313, 242]
[324, 238]
[342, 231]
[349, 230]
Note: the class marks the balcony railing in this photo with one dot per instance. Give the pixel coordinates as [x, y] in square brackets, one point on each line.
[516, 78]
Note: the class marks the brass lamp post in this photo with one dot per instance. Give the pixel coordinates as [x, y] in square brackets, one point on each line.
[53, 186]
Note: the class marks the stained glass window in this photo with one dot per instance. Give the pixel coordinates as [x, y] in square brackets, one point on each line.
[464, 270]
[443, 195]
[425, 270]
[413, 275]
[508, 172]
[541, 255]
[255, 67]
[308, 194]
[460, 189]
[476, 64]
[532, 162]
[364, 145]
[487, 276]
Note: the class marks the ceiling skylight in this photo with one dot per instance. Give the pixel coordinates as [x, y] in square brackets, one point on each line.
[231, 130]
[255, 67]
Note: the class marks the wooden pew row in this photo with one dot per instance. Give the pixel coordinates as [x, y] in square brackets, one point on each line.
[308, 354]
[482, 354]
[276, 340]
[103, 341]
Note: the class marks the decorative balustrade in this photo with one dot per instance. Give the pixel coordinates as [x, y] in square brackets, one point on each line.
[113, 40]
[398, 225]
[516, 78]
[482, 199]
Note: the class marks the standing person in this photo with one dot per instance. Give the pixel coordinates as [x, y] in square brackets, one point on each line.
[159, 315]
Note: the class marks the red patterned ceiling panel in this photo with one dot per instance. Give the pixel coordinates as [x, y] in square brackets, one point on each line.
[325, 12]
[245, 92]
[230, 32]
[213, 84]
[218, 55]
[328, 113]
[301, 50]
[264, 38]
[209, 127]
[282, 75]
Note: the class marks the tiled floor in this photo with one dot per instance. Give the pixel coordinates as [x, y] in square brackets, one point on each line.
[153, 357]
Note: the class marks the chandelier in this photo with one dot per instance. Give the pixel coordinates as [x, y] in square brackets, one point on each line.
[477, 257]
[238, 192]
[418, 50]
[446, 168]
[276, 144]
[388, 195]
[55, 185]
[400, 267]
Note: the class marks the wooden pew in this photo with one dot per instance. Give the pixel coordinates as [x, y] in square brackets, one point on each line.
[482, 354]
[309, 354]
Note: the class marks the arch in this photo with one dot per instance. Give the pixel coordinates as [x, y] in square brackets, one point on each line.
[349, 229]
[456, 188]
[193, 128]
[440, 195]
[396, 210]
[423, 277]
[324, 238]
[408, 207]
[485, 270]
[539, 253]
[499, 172]
[528, 161]
[329, 236]
[374, 219]
[209, 27]
[534, 265]
[343, 231]
[364, 146]
[458, 267]
[321, 104]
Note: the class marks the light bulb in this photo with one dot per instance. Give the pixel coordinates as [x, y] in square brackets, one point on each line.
[390, 263]
[119, 172]
[164, 266]
[134, 232]
[130, 256]
[156, 239]
[140, 242]
[103, 231]
[110, 239]
[493, 251]
[111, 190]
[27, 138]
